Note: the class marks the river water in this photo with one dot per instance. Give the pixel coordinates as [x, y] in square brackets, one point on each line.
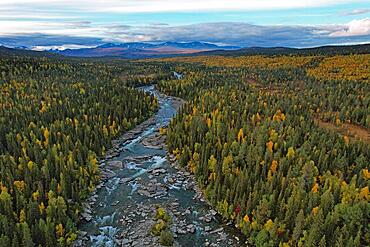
[122, 212]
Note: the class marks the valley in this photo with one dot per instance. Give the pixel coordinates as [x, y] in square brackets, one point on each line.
[124, 206]
[253, 150]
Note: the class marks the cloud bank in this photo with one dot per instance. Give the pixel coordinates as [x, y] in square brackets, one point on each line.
[137, 6]
[77, 34]
[357, 12]
[354, 28]
[73, 24]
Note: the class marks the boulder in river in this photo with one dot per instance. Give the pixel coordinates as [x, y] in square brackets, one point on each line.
[190, 228]
[107, 174]
[158, 171]
[86, 216]
[207, 228]
[213, 212]
[126, 180]
[144, 193]
[115, 164]
[115, 203]
[156, 141]
[217, 230]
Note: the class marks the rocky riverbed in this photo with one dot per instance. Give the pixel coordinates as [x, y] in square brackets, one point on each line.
[137, 176]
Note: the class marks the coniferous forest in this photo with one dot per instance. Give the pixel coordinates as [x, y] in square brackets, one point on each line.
[56, 118]
[279, 144]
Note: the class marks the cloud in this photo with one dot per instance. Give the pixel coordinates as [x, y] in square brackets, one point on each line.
[16, 15]
[142, 6]
[48, 34]
[354, 28]
[60, 47]
[47, 40]
[356, 12]
[244, 34]
[68, 28]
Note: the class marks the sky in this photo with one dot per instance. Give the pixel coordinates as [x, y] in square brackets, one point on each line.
[45, 24]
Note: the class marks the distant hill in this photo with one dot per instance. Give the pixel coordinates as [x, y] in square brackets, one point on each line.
[137, 50]
[5, 51]
[322, 50]
[143, 50]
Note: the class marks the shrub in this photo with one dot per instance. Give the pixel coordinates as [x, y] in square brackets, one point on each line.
[166, 238]
[158, 228]
[161, 214]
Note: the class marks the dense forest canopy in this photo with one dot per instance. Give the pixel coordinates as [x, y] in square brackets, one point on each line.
[278, 51]
[57, 117]
[280, 145]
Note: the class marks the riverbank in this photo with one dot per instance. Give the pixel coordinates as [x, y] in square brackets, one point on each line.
[137, 176]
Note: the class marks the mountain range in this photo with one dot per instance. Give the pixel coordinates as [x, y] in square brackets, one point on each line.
[168, 49]
[143, 50]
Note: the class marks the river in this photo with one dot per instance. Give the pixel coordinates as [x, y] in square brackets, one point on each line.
[137, 178]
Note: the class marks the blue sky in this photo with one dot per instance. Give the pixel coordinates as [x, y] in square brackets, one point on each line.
[72, 24]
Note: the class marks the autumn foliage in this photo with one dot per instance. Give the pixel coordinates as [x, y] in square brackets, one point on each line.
[248, 133]
[56, 118]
